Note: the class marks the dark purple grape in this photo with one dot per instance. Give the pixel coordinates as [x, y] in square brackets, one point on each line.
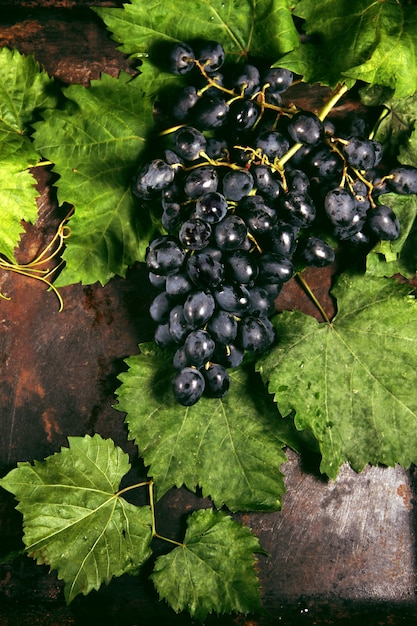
[152, 178]
[179, 360]
[358, 240]
[242, 114]
[189, 143]
[164, 256]
[273, 289]
[211, 55]
[228, 355]
[173, 192]
[316, 252]
[383, 223]
[247, 80]
[360, 192]
[241, 267]
[329, 128]
[272, 143]
[194, 234]
[298, 181]
[260, 221]
[200, 181]
[403, 179]
[217, 380]
[157, 281]
[256, 334]
[278, 79]
[232, 297]
[222, 326]
[178, 285]
[306, 128]
[181, 58]
[183, 103]
[360, 153]
[210, 112]
[216, 148]
[230, 233]
[274, 268]
[171, 215]
[266, 185]
[198, 308]
[161, 307]
[205, 270]
[163, 337]
[178, 325]
[324, 163]
[199, 347]
[297, 209]
[188, 386]
[284, 239]
[211, 207]
[340, 207]
[346, 230]
[262, 302]
[237, 184]
[262, 177]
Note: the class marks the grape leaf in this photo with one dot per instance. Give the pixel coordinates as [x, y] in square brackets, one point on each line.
[73, 518]
[264, 29]
[375, 42]
[24, 89]
[230, 447]
[352, 382]
[395, 129]
[213, 570]
[95, 143]
[400, 256]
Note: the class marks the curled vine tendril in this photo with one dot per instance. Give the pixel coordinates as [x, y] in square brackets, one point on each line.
[38, 267]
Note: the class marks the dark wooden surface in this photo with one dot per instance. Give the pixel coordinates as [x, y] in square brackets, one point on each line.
[339, 552]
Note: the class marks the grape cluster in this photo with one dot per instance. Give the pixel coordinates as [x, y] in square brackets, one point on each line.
[249, 190]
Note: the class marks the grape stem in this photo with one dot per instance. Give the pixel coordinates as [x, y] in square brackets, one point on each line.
[36, 268]
[312, 296]
[149, 484]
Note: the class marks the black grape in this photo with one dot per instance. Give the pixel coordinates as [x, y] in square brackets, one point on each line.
[211, 55]
[181, 59]
[306, 128]
[199, 347]
[383, 223]
[188, 386]
[403, 179]
[153, 177]
[217, 380]
[237, 184]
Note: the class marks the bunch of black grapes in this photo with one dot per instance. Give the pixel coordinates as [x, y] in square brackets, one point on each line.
[249, 190]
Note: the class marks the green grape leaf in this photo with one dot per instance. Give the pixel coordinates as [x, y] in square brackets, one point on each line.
[264, 29]
[214, 569]
[400, 256]
[375, 42]
[230, 447]
[395, 131]
[73, 518]
[24, 89]
[95, 143]
[351, 382]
